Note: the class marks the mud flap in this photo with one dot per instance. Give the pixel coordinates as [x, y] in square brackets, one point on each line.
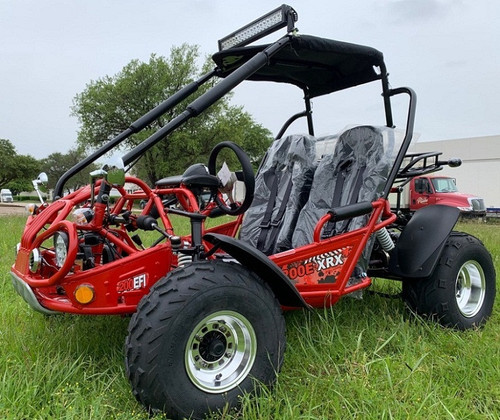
[422, 240]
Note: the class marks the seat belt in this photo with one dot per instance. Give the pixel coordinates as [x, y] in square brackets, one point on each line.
[331, 227]
[354, 197]
[344, 168]
[265, 224]
[275, 224]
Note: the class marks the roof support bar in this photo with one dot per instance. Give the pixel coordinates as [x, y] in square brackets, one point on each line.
[408, 133]
[209, 98]
[135, 127]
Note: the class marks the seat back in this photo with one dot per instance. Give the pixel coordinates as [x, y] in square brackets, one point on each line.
[281, 189]
[357, 171]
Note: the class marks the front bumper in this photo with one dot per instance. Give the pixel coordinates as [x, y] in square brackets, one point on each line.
[27, 294]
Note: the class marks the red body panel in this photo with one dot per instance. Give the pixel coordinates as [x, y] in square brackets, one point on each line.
[320, 270]
[118, 285]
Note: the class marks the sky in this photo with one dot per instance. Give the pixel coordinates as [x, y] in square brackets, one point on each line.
[446, 50]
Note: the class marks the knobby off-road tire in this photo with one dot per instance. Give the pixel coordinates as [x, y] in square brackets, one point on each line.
[203, 336]
[461, 290]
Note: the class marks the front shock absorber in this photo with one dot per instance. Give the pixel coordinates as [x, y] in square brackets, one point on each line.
[183, 258]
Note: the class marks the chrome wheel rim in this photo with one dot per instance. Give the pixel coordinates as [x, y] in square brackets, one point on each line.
[470, 288]
[220, 351]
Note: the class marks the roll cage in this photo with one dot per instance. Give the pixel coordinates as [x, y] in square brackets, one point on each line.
[315, 65]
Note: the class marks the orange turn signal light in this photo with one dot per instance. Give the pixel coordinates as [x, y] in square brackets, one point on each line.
[84, 294]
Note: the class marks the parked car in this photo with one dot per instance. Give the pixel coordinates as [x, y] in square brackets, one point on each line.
[6, 196]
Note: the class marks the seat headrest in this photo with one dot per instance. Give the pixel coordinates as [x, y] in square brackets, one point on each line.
[363, 143]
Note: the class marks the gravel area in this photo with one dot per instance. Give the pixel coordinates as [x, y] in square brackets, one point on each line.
[12, 209]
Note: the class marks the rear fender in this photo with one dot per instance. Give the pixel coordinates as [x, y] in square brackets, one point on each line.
[422, 240]
[260, 264]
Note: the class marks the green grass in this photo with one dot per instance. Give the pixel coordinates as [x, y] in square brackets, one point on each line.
[366, 358]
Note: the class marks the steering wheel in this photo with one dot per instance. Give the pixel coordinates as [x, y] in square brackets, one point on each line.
[246, 175]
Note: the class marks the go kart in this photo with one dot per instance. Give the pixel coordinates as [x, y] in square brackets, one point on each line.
[313, 225]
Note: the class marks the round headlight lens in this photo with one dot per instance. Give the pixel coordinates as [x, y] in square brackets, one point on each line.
[61, 242]
[35, 260]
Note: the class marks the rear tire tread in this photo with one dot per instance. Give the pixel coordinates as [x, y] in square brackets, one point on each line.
[431, 296]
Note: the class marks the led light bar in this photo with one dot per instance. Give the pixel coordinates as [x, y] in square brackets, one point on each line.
[272, 21]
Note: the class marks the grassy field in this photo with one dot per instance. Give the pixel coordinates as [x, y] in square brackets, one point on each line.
[366, 359]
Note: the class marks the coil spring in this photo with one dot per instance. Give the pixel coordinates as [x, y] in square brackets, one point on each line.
[183, 259]
[385, 239]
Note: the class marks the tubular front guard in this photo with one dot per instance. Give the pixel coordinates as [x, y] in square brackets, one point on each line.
[116, 287]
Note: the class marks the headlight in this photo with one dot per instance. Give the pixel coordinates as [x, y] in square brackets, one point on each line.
[35, 260]
[61, 242]
[265, 25]
[465, 208]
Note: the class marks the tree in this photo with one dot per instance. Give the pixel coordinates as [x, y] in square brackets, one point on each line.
[56, 164]
[8, 169]
[109, 105]
[14, 168]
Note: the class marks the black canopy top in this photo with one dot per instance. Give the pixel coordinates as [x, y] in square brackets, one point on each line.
[317, 64]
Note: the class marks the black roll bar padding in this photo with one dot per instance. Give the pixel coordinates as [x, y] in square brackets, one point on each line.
[410, 122]
[258, 61]
[168, 104]
[88, 160]
[340, 213]
[139, 150]
[135, 127]
[209, 98]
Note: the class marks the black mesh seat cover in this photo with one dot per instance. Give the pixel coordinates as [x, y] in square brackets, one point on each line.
[281, 189]
[357, 171]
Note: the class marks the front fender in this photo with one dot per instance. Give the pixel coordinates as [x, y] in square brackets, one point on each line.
[260, 264]
[422, 240]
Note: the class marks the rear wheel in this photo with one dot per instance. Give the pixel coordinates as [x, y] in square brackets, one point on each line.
[461, 290]
[205, 334]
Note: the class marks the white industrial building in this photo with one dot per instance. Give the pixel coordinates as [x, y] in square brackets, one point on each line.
[480, 170]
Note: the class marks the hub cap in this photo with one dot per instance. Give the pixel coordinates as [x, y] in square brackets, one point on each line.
[220, 351]
[470, 288]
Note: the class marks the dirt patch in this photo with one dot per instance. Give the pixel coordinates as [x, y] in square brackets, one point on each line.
[12, 209]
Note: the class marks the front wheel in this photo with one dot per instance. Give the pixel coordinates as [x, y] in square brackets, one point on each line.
[461, 290]
[206, 334]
